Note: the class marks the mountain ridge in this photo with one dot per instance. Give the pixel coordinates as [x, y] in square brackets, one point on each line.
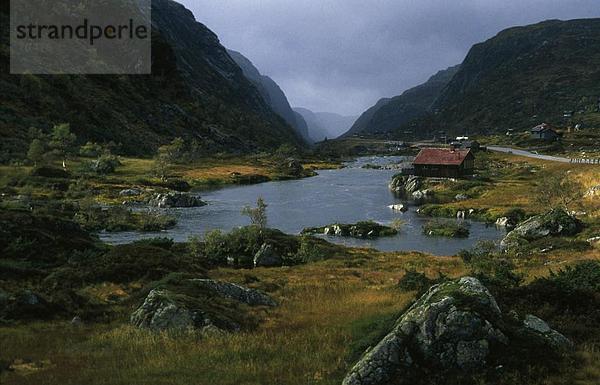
[272, 93]
[196, 91]
[390, 113]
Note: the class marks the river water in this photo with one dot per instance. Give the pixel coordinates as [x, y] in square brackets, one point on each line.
[346, 195]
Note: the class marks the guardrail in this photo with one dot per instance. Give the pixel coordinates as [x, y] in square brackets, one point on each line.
[585, 161]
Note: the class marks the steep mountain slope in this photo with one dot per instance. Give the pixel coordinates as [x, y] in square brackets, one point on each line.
[271, 93]
[389, 114]
[323, 125]
[526, 75]
[195, 91]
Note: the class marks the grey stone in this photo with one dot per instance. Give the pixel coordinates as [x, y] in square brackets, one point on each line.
[236, 292]
[548, 335]
[398, 207]
[405, 184]
[553, 223]
[165, 310]
[130, 192]
[160, 312]
[461, 197]
[453, 326]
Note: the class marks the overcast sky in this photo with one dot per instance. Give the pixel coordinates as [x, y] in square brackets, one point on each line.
[343, 55]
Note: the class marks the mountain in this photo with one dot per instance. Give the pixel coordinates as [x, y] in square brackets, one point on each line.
[271, 93]
[389, 114]
[526, 75]
[323, 125]
[196, 91]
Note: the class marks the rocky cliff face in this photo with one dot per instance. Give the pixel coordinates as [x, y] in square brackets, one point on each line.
[272, 94]
[196, 91]
[390, 114]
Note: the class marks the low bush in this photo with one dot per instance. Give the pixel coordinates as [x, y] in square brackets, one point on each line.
[412, 280]
[448, 228]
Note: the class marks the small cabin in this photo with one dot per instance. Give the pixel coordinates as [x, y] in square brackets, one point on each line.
[544, 132]
[444, 163]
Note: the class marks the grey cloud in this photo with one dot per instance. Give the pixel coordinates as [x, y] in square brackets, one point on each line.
[343, 55]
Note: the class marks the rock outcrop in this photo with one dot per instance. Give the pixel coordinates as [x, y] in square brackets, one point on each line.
[399, 207]
[176, 200]
[203, 305]
[454, 326]
[405, 184]
[367, 229]
[556, 222]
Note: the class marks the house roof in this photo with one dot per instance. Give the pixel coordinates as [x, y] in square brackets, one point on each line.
[441, 156]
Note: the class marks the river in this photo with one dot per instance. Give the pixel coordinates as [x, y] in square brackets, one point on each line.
[346, 195]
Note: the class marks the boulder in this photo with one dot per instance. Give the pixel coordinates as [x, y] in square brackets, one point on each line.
[266, 256]
[545, 333]
[161, 312]
[593, 191]
[130, 192]
[236, 292]
[175, 199]
[556, 222]
[203, 305]
[594, 242]
[461, 197]
[502, 222]
[405, 184]
[398, 207]
[421, 196]
[455, 326]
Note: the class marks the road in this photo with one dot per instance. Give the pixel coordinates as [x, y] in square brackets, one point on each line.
[528, 154]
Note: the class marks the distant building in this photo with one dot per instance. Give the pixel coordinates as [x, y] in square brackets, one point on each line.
[444, 162]
[472, 145]
[544, 132]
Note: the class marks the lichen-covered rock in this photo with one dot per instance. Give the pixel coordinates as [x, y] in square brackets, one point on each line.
[553, 223]
[546, 333]
[405, 184]
[237, 292]
[266, 256]
[454, 326]
[176, 200]
[161, 312]
[203, 305]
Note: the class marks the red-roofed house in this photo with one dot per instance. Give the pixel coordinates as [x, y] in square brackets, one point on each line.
[444, 163]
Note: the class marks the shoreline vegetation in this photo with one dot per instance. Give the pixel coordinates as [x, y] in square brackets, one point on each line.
[77, 295]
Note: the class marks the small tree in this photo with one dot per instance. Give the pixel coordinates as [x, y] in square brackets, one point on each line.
[36, 152]
[258, 214]
[167, 155]
[558, 190]
[62, 140]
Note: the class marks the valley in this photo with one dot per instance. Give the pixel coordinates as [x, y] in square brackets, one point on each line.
[195, 226]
